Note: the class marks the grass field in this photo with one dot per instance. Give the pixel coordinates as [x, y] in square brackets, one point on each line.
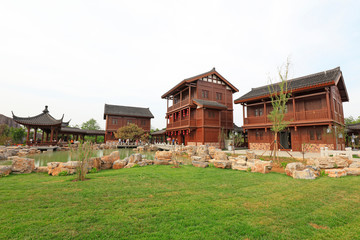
[160, 202]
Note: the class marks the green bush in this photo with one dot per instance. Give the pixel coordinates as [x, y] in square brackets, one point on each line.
[93, 170]
[63, 173]
[283, 164]
[323, 174]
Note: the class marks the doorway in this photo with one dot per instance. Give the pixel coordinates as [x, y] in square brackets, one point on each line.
[285, 140]
[183, 139]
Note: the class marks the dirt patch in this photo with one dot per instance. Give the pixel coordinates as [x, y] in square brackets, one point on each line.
[278, 169]
[314, 225]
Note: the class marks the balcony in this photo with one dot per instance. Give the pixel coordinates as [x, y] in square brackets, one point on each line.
[299, 117]
[186, 122]
[179, 105]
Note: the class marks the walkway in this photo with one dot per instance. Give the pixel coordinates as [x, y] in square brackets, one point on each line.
[280, 153]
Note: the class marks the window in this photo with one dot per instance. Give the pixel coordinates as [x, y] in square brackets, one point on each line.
[318, 134]
[257, 135]
[114, 121]
[143, 122]
[312, 134]
[211, 114]
[258, 112]
[218, 96]
[205, 94]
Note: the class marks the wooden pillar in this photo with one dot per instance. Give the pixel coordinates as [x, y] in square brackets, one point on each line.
[203, 127]
[52, 135]
[35, 131]
[243, 114]
[328, 103]
[42, 136]
[28, 135]
[56, 135]
[294, 109]
[265, 112]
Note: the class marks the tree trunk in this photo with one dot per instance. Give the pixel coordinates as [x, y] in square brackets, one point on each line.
[275, 146]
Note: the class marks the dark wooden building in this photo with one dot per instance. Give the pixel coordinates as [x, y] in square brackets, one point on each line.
[314, 111]
[118, 116]
[198, 108]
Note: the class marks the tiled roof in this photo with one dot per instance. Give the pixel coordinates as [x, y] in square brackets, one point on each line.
[297, 83]
[71, 130]
[197, 77]
[209, 104]
[160, 132]
[127, 111]
[43, 119]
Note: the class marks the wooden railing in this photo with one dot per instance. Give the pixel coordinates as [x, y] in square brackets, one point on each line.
[179, 104]
[299, 116]
[184, 123]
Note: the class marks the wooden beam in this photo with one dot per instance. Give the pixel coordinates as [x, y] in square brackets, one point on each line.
[328, 102]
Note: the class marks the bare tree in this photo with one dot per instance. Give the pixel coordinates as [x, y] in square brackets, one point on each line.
[279, 94]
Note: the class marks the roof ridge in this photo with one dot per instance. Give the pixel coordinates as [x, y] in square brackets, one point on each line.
[125, 106]
[299, 78]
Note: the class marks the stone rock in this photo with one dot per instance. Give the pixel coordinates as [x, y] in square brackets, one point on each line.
[222, 164]
[200, 164]
[352, 171]
[153, 148]
[118, 164]
[41, 170]
[70, 164]
[212, 151]
[239, 166]
[329, 162]
[355, 165]
[149, 161]
[220, 155]
[94, 162]
[161, 162]
[202, 150]
[106, 162]
[22, 165]
[250, 154]
[142, 163]
[190, 150]
[163, 155]
[335, 173]
[130, 165]
[135, 158]
[3, 156]
[5, 170]
[261, 166]
[115, 156]
[294, 166]
[304, 174]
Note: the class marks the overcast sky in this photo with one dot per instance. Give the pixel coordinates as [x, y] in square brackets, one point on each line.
[75, 56]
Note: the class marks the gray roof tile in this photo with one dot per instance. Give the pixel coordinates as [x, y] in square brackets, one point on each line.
[127, 111]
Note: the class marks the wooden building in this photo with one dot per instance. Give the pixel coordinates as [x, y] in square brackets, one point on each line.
[52, 129]
[314, 112]
[198, 108]
[118, 116]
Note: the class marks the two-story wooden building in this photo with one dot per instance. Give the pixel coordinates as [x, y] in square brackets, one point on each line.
[199, 108]
[118, 116]
[314, 112]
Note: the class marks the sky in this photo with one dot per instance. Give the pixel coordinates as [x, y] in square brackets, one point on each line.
[75, 56]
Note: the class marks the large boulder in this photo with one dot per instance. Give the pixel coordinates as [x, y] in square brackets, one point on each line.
[54, 168]
[5, 170]
[115, 155]
[200, 164]
[118, 164]
[148, 161]
[329, 162]
[135, 158]
[220, 155]
[107, 162]
[222, 164]
[261, 166]
[352, 171]
[355, 165]
[250, 154]
[190, 150]
[294, 166]
[94, 162]
[212, 151]
[304, 174]
[163, 155]
[239, 166]
[162, 162]
[335, 173]
[22, 165]
[202, 150]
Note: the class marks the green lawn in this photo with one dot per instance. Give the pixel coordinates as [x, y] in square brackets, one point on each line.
[160, 202]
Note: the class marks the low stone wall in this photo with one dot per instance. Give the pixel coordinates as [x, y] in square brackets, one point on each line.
[317, 147]
[259, 146]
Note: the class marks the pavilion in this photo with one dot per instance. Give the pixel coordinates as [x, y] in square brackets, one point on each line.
[52, 129]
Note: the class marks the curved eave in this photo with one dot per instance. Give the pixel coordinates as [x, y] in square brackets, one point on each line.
[29, 121]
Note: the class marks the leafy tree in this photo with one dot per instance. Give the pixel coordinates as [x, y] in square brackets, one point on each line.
[5, 138]
[132, 132]
[279, 97]
[90, 125]
[81, 154]
[17, 134]
[352, 120]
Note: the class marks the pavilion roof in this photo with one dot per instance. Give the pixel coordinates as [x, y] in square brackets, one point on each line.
[127, 111]
[316, 80]
[43, 119]
[74, 130]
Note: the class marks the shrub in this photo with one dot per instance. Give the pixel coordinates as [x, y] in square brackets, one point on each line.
[283, 164]
[63, 173]
[93, 170]
[323, 174]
